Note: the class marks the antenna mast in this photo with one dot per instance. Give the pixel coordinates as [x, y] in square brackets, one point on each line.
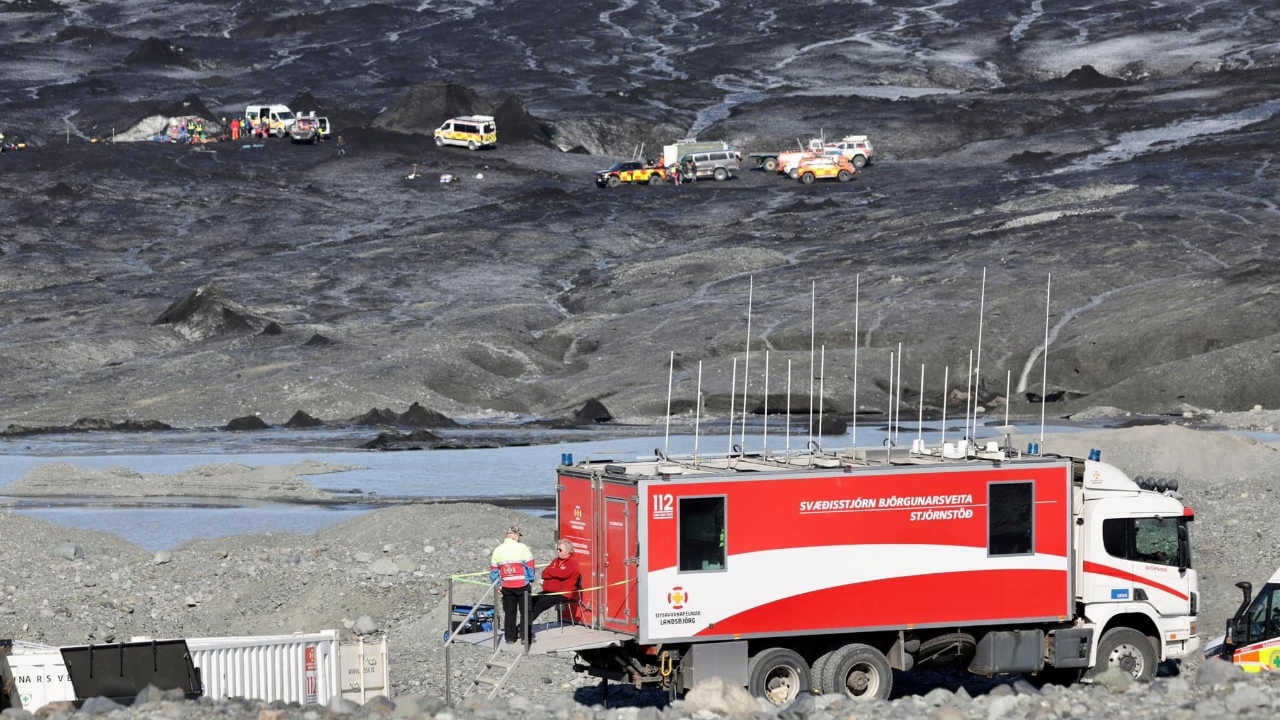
[697, 418]
[733, 388]
[853, 432]
[977, 366]
[746, 366]
[946, 379]
[766, 401]
[813, 331]
[666, 442]
[822, 374]
[1044, 380]
[897, 401]
[788, 409]
[920, 422]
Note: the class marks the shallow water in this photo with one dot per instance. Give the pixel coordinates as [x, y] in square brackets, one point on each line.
[497, 472]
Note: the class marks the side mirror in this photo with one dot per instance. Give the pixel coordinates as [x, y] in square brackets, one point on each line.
[1234, 638]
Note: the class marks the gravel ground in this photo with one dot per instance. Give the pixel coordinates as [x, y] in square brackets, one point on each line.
[392, 565]
[221, 480]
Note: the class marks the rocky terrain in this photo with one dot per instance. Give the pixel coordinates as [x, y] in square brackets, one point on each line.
[222, 480]
[1128, 150]
[390, 567]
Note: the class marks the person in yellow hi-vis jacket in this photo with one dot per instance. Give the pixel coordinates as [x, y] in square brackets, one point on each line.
[513, 564]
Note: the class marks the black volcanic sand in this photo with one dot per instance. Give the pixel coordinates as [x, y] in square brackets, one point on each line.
[1146, 184]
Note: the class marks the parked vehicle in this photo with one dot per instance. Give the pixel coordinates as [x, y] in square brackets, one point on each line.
[718, 164]
[857, 148]
[631, 171]
[832, 575]
[472, 132]
[826, 167]
[1252, 640]
[309, 129]
[676, 152]
[280, 117]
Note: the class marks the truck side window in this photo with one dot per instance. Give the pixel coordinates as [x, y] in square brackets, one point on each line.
[702, 534]
[1145, 540]
[1010, 518]
[1264, 615]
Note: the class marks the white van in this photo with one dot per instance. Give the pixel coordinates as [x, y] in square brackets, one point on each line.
[280, 117]
[472, 132]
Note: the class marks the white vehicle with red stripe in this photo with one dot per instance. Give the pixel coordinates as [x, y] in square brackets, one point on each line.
[825, 571]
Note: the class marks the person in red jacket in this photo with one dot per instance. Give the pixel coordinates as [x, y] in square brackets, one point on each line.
[559, 576]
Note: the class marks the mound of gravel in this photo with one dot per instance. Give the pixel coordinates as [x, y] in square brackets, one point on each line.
[220, 480]
[154, 51]
[208, 312]
[424, 107]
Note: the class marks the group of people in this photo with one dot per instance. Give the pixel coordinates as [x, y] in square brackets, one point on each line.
[679, 172]
[512, 563]
[191, 130]
[253, 127]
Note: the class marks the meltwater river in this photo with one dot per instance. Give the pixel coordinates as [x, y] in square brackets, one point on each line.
[525, 470]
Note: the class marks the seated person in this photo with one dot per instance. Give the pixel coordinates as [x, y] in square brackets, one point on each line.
[560, 576]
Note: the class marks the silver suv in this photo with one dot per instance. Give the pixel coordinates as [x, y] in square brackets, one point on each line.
[718, 164]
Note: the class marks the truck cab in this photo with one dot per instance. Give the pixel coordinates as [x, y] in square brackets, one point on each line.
[1136, 586]
[1252, 640]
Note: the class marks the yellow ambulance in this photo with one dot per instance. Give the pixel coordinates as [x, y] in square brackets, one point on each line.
[472, 132]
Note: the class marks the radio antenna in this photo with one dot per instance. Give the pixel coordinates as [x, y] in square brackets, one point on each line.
[697, 417]
[1044, 380]
[733, 388]
[920, 422]
[968, 388]
[813, 331]
[1008, 383]
[671, 370]
[897, 400]
[977, 365]
[822, 372]
[946, 378]
[766, 401]
[889, 402]
[746, 366]
[853, 431]
[788, 409]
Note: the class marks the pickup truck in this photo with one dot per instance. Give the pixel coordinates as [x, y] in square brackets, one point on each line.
[309, 129]
[856, 148]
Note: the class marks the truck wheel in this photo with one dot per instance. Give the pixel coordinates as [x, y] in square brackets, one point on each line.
[807, 178]
[818, 667]
[793, 173]
[472, 146]
[844, 176]
[858, 671]
[654, 179]
[770, 164]
[1127, 649]
[721, 175]
[614, 181]
[778, 675]
[439, 142]
[859, 161]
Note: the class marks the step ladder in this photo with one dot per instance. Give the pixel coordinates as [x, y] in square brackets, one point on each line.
[485, 678]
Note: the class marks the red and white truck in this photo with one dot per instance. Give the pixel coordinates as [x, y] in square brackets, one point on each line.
[826, 571]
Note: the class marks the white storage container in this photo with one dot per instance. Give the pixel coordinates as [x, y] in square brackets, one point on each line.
[364, 670]
[38, 677]
[291, 668]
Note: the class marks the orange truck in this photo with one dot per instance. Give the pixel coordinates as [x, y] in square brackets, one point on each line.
[826, 167]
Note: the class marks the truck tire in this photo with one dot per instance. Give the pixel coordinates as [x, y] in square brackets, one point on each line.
[859, 161]
[439, 142]
[770, 164]
[654, 179]
[721, 175]
[817, 669]
[472, 146]
[807, 178]
[778, 675]
[793, 173]
[844, 176]
[614, 181]
[1127, 649]
[858, 671]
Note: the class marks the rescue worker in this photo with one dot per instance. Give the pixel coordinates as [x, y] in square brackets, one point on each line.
[342, 146]
[235, 128]
[693, 170]
[560, 579]
[512, 563]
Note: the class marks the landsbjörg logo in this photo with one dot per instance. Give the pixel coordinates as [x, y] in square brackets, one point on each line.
[577, 512]
[677, 598]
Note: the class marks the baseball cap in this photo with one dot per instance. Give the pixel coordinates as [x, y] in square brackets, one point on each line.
[514, 530]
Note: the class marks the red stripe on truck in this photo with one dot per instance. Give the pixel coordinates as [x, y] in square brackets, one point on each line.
[1092, 567]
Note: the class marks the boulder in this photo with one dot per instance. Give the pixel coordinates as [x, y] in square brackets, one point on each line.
[383, 566]
[364, 625]
[68, 551]
[720, 697]
[1216, 671]
[1113, 679]
[302, 420]
[248, 422]
[99, 706]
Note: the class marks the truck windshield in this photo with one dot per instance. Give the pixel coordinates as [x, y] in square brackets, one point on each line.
[1264, 615]
[285, 116]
